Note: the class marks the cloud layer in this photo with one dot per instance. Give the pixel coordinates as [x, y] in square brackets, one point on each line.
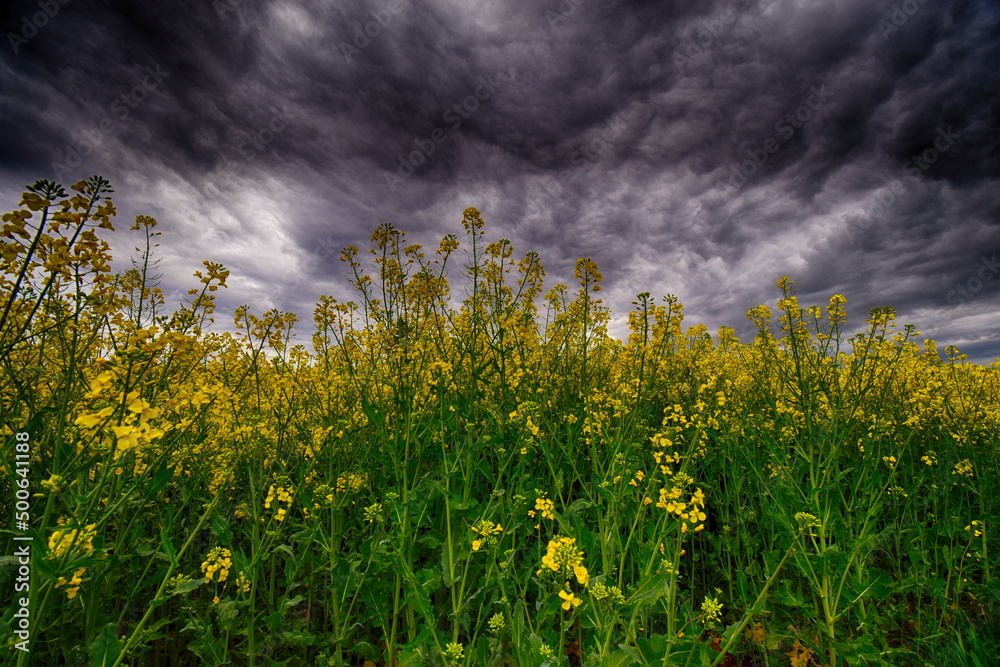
[703, 149]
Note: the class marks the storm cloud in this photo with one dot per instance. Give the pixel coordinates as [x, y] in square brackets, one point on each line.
[703, 149]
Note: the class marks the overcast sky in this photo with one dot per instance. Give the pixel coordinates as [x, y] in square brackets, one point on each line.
[698, 148]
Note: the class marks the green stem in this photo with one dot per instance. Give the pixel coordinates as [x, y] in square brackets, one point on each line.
[758, 603]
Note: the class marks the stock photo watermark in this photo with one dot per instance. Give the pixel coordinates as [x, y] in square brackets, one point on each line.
[324, 249]
[898, 17]
[21, 621]
[964, 291]
[224, 7]
[453, 116]
[590, 151]
[365, 33]
[923, 160]
[918, 163]
[701, 38]
[260, 140]
[786, 126]
[561, 16]
[72, 156]
[48, 9]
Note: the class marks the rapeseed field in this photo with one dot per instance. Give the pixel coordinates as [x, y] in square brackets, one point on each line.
[466, 469]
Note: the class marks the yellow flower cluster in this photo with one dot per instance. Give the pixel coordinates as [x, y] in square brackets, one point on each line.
[322, 497]
[779, 470]
[930, 458]
[976, 527]
[543, 505]
[897, 491]
[439, 370]
[487, 531]
[177, 581]
[497, 623]
[373, 513]
[54, 484]
[692, 511]
[135, 429]
[351, 481]
[74, 583]
[62, 541]
[454, 653]
[664, 461]
[711, 608]
[219, 561]
[963, 468]
[283, 495]
[563, 557]
[612, 594]
[242, 583]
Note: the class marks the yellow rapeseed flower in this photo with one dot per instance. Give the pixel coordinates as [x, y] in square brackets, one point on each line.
[219, 560]
[569, 599]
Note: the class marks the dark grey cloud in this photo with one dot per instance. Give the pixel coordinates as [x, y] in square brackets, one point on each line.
[703, 149]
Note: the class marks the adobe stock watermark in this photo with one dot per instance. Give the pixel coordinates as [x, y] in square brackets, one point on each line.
[30, 27]
[898, 17]
[325, 248]
[702, 37]
[259, 141]
[915, 166]
[454, 116]
[365, 33]
[592, 151]
[565, 9]
[970, 287]
[224, 7]
[72, 155]
[786, 126]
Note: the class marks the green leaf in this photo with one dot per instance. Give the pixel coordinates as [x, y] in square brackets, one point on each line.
[841, 475]
[517, 627]
[482, 651]
[274, 620]
[159, 480]
[787, 597]
[456, 504]
[226, 610]
[298, 638]
[188, 587]
[617, 659]
[291, 603]
[221, 531]
[654, 645]
[652, 590]
[861, 651]
[742, 585]
[429, 541]
[145, 548]
[730, 630]
[577, 505]
[632, 653]
[106, 647]
[367, 651]
[168, 546]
